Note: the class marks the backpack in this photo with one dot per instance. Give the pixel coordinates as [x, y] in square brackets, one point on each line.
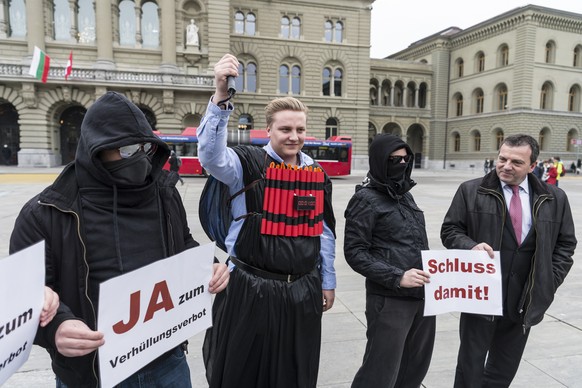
[214, 211]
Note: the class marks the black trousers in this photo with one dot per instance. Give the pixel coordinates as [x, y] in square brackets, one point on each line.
[400, 343]
[490, 351]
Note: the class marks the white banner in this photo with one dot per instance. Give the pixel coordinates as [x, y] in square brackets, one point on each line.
[151, 310]
[21, 301]
[462, 280]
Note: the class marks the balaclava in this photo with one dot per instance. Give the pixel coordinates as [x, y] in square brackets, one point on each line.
[384, 173]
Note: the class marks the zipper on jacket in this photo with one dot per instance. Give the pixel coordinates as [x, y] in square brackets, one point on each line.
[536, 209]
[86, 275]
[501, 200]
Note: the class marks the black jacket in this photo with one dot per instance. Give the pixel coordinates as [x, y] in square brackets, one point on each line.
[57, 216]
[477, 214]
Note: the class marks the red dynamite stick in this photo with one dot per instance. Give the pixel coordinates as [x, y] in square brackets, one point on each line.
[285, 201]
[292, 199]
[320, 178]
[302, 191]
[264, 225]
[277, 200]
[269, 199]
[311, 192]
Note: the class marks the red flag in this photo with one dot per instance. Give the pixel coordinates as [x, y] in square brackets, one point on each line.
[69, 68]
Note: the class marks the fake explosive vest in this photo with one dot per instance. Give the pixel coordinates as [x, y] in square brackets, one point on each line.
[291, 201]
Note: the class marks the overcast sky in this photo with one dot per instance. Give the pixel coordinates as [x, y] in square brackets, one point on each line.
[398, 23]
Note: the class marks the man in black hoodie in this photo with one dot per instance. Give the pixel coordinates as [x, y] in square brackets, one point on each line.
[112, 210]
[384, 234]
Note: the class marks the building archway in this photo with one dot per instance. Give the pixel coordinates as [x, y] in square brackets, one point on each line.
[9, 134]
[392, 128]
[70, 130]
[414, 138]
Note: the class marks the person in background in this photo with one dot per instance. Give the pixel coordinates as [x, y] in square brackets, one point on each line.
[559, 168]
[384, 234]
[268, 333]
[175, 163]
[6, 154]
[530, 224]
[110, 211]
[551, 174]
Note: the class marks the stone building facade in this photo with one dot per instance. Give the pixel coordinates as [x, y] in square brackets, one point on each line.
[316, 50]
[452, 96]
[520, 72]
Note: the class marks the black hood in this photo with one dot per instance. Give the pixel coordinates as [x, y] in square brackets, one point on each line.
[111, 122]
[380, 149]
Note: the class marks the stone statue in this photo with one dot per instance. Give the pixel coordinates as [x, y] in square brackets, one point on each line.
[192, 34]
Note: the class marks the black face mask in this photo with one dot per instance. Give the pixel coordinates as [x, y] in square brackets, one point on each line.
[397, 176]
[131, 171]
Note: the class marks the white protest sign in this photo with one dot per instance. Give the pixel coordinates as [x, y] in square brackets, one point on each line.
[151, 310]
[21, 298]
[462, 280]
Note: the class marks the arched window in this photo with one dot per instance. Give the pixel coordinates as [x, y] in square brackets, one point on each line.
[578, 56]
[544, 139]
[86, 21]
[251, 77]
[150, 25]
[245, 122]
[127, 23]
[295, 28]
[503, 56]
[296, 79]
[284, 79]
[250, 24]
[290, 80]
[550, 52]
[285, 27]
[339, 32]
[574, 99]
[17, 18]
[333, 31]
[572, 134]
[386, 93]
[150, 116]
[501, 94]
[499, 137]
[239, 22]
[480, 59]
[476, 141]
[458, 104]
[478, 99]
[456, 142]
[326, 81]
[247, 77]
[546, 96]
[460, 67]
[332, 82]
[330, 127]
[398, 93]
[328, 31]
[62, 20]
[422, 95]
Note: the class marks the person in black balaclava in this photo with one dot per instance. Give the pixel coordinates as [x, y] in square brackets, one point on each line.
[384, 234]
[112, 210]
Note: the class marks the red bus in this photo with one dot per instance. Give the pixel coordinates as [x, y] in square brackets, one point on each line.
[334, 154]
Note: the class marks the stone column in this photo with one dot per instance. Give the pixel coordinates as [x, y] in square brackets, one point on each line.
[392, 95]
[168, 39]
[3, 19]
[138, 37]
[379, 95]
[34, 27]
[74, 22]
[416, 90]
[104, 35]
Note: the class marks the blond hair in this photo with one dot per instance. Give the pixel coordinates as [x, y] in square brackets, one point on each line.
[283, 103]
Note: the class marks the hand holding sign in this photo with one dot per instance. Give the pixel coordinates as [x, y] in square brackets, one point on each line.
[465, 281]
